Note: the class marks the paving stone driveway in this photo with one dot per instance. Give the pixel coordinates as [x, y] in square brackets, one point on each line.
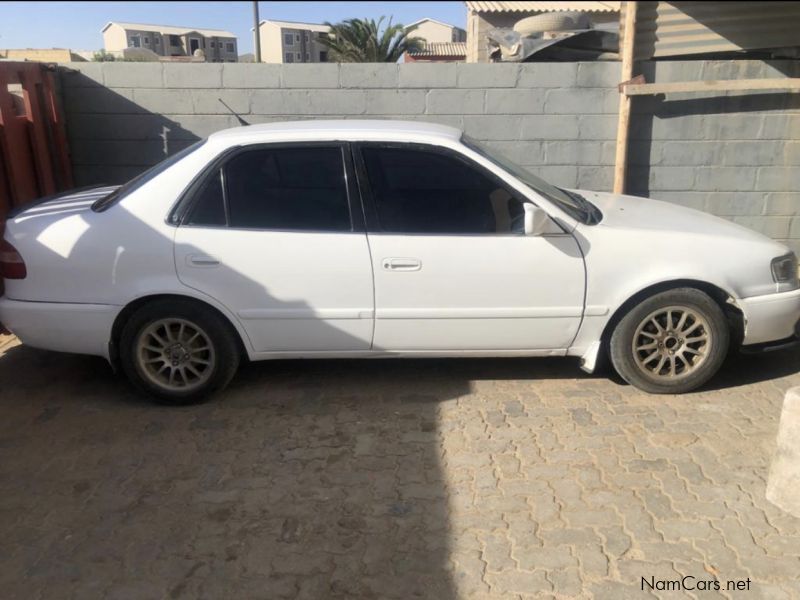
[389, 479]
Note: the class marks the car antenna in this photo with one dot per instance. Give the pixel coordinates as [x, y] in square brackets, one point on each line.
[238, 118]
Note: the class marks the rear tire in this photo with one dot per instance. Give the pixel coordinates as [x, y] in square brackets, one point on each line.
[671, 343]
[178, 351]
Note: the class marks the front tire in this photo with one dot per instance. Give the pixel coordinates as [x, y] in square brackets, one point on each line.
[178, 351]
[671, 343]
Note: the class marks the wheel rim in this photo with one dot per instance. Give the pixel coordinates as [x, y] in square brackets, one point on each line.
[671, 343]
[175, 354]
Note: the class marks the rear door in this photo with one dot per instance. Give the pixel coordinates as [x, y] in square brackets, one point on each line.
[453, 269]
[271, 234]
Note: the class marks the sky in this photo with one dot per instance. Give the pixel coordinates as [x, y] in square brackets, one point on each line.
[77, 25]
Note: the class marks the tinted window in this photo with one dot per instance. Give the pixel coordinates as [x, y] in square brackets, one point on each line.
[209, 205]
[288, 188]
[420, 191]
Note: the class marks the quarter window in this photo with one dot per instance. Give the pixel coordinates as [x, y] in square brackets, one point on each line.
[426, 191]
[296, 189]
[229, 47]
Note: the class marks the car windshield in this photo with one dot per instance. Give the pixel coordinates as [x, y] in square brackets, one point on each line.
[572, 203]
[108, 201]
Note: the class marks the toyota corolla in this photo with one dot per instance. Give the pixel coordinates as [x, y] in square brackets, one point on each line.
[382, 239]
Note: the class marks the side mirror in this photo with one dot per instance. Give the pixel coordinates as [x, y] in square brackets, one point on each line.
[537, 221]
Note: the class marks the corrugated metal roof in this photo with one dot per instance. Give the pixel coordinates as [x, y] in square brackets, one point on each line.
[441, 49]
[489, 6]
[170, 30]
[686, 28]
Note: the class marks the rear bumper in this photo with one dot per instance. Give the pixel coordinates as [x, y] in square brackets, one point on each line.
[78, 328]
[770, 318]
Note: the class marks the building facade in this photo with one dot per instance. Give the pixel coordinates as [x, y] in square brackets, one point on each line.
[432, 31]
[167, 41]
[292, 42]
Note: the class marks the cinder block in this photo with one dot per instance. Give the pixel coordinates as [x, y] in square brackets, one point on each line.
[310, 75]
[598, 74]
[394, 102]
[759, 153]
[492, 127]
[691, 153]
[794, 228]
[724, 179]
[581, 101]
[336, 102]
[133, 75]
[522, 153]
[249, 76]
[774, 227]
[671, 178]
[456, 101]
[182, 75]
[572, 152]
[168, 102]
[780, 127]
[433, 75]
[200, 126]
[98, 126]
[123, 153]
[778, 179]
[598, 179]
[207, 102]
[782, 203]
[104, 174]
[548, 75]
[99, 100]
[481, 75]
[88, 74]
[550, 127]
[278, 102]
[560, 175]
[519, 102]
[597, 127]
[368, 75]
[729, 204]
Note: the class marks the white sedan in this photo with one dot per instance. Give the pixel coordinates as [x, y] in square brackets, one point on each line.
[382, 239]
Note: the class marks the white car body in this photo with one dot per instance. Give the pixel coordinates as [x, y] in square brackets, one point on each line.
[364, 294]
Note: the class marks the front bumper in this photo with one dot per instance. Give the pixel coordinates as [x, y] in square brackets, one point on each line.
[63, 327]
[770, 318]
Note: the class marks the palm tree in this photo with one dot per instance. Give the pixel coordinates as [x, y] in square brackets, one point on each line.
[361, 40]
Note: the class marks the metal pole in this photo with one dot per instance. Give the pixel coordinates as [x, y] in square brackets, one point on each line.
[256, 32]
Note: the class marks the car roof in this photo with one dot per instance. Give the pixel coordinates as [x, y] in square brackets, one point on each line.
[342, 129]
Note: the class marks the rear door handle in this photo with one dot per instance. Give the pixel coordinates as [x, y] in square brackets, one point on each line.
[201, 260]
[402, 264]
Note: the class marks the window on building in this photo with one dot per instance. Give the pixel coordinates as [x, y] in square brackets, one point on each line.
[323, 56]
[146, 41]
[288, 57]
[288, 39]
[426, 191]
[213, 44]
[298, 56]
[305, 36]
[308, 57]
[297, 189]
[297, 38]
[174, 40]
[230, 47]
[157, 40]
[135, 42]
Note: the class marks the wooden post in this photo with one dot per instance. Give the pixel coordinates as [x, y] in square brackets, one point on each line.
[623, 124]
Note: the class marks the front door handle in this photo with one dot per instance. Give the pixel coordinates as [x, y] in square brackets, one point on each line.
[402, 264]
[201, 260]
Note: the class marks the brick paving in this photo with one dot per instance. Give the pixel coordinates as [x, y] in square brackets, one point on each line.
[390, 479]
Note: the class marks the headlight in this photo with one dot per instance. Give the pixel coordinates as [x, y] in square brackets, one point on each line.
[784, 268]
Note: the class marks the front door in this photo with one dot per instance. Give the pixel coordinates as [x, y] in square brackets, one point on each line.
[453, 269]
[270, 236]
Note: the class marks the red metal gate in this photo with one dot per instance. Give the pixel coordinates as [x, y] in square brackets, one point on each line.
[34, 160]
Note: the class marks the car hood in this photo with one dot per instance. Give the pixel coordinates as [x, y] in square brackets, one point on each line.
[633, 212]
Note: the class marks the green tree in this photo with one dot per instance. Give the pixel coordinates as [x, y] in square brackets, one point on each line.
[361, 40]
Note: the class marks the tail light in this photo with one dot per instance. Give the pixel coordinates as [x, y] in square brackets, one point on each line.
[11, 264]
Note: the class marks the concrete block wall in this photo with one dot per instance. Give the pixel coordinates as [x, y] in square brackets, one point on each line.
[735, 155]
